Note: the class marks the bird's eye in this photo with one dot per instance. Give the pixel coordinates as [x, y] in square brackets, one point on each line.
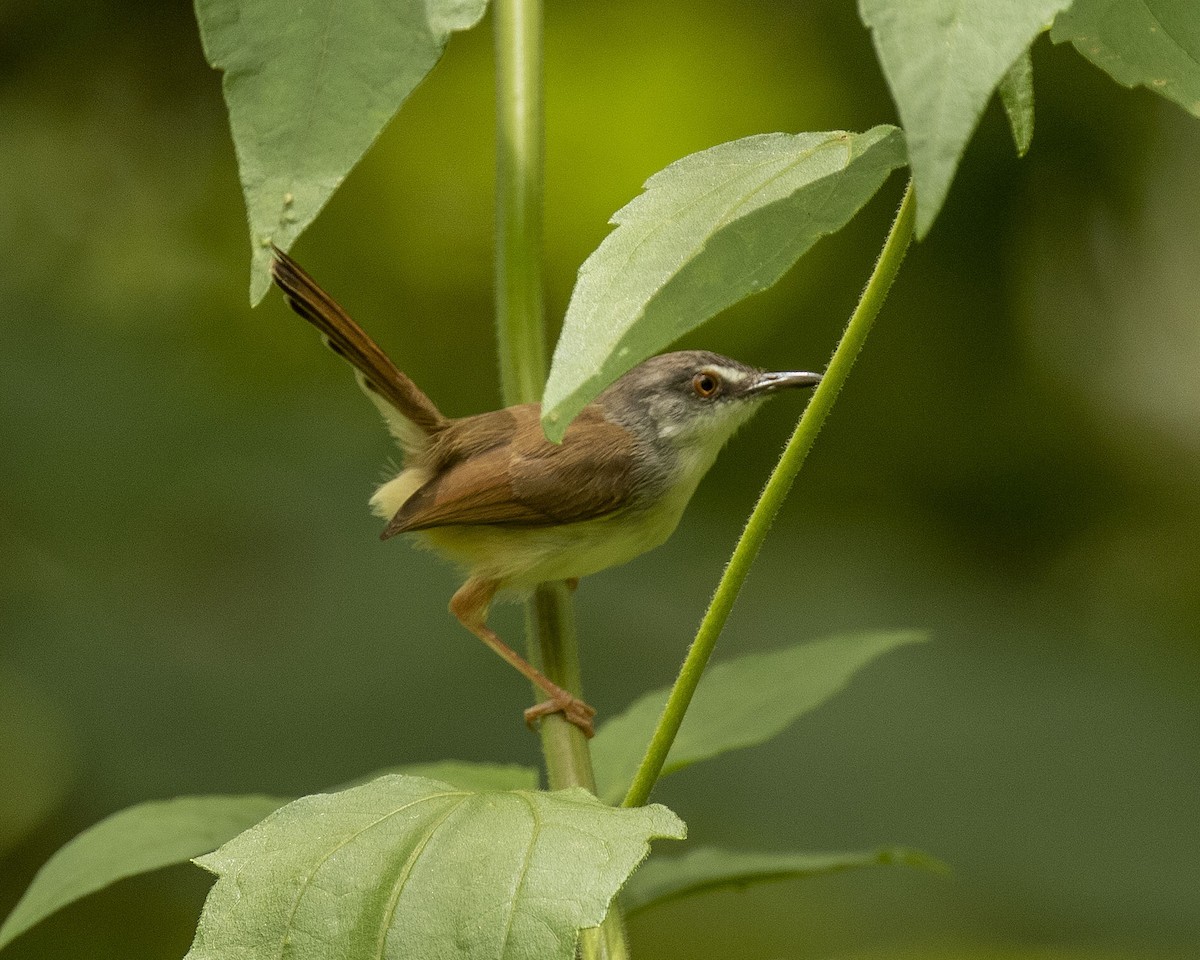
[705, 384]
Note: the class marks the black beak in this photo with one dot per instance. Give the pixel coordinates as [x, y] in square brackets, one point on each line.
[770, 382]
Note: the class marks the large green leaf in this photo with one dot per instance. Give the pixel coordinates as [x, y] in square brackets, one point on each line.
[708, 231]
[942, 60]
[309, 87]
[1151, 43]
[739, 703]
[711, 868]
[137, 840]
[155, 835]
[406, 867]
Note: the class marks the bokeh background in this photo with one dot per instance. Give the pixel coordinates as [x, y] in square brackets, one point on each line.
[193, 598]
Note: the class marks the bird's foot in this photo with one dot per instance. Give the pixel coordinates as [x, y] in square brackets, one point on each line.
[573, 709]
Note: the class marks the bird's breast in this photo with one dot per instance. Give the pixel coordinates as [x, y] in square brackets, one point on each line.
[522, 556]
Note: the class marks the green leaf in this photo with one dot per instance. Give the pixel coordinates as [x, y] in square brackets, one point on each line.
[711, 868]
[154, 835]
[464, 774]
[708, 231]
[407, 867]
[1149, 43]
[739, 703]
[1016, 94]
[137, 840]
[309, 87]
[942, 60]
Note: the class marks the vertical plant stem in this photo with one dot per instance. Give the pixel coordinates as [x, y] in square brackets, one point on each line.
[521, 335]
[771, 500]
[520, 162]
[550, 627]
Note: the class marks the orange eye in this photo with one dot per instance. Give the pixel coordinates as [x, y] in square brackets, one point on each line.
[705, 384]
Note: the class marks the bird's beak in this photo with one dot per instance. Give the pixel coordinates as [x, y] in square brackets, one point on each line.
[770, 382]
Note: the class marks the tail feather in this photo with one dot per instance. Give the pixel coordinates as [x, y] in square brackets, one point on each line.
[382, 380]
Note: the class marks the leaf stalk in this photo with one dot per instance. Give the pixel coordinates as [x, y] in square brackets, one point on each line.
[771, 500]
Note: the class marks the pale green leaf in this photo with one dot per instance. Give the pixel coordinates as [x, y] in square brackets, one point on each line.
[739, 703]
[154, 835]
[309, 86]
[711, 868]
[405, 867]
[1016, 94]
[1149, 43]
[708, 231]
[942, 60]
[138, 840]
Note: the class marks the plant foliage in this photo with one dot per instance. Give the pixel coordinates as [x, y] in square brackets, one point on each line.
[407, 867]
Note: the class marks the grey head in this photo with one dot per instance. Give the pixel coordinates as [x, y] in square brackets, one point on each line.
[693, 398]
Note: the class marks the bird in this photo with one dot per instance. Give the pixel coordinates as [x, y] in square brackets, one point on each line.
[515, 510]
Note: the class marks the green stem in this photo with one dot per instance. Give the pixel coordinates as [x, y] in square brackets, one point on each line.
[520, 326]
[550, 628]
[771, 499]
[520, 161]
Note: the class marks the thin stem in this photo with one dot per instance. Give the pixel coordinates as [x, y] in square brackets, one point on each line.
[521, 334]
[771, 499]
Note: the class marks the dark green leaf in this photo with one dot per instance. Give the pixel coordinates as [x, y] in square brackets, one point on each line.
[942, 60]
[708, 231]
[137, 840]
[710, 868]
[1016, 93]
[309, 87]
[1149, 43]
[405, 867]
[740, 703]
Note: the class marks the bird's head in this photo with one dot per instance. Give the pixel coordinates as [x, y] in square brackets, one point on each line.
[693, 399]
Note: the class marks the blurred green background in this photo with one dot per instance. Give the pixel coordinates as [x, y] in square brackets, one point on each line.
[193, 598]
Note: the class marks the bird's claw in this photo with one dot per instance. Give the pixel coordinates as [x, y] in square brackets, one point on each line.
[574, 711]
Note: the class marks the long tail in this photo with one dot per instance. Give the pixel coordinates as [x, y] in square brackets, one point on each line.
[377, 374]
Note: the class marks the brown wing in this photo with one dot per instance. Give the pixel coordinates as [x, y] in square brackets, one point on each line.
[348, 340]
[525, 480]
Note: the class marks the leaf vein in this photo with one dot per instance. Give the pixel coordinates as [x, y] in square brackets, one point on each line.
[1167, 33]
[303, 138]
[308, 878]
[533, 837]
[398, 888]
[614, 271]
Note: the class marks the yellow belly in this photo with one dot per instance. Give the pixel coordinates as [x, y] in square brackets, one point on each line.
[522, 557]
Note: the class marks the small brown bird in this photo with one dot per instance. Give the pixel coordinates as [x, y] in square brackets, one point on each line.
[515, 510]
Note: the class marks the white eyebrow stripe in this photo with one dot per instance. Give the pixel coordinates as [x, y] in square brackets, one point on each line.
[731, 374]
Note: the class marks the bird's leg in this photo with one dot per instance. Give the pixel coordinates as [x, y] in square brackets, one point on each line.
[470, 605]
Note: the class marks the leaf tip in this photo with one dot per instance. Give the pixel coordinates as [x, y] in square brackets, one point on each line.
[260, 271]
